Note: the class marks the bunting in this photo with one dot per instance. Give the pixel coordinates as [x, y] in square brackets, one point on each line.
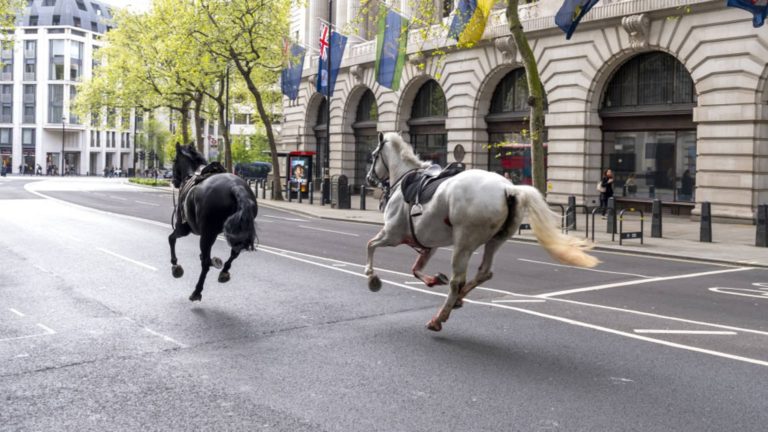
[391, 44]
[337, 43]
[571, 13]
[290, 78]
[469, 21]
[758, 8]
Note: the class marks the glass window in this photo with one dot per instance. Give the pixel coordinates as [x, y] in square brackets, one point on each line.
[56, 20]
[81, 5]
[94, 26]
[652, 164]
[49, 2]
[649, 79]
[29, 103]
[72, 95]
[241, 118]
[511, 94]
[55, 103]
[27, 137]
[96, 8]
[367, 110]
[76, 21]
[431, 147]
[57, 59]
[429, 102]
[75, 60]
[33, 19]
[7, 60]
[5, 136]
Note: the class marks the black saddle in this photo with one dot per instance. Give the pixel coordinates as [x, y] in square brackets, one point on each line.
[419, 186]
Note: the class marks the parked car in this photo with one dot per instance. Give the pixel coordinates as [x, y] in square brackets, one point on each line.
[168, 174]
[253, 170]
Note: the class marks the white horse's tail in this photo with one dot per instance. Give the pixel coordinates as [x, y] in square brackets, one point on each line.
[564, 248]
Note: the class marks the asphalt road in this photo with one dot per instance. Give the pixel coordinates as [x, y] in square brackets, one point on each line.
[96, 334]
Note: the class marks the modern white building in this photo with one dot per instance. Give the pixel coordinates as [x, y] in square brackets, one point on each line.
[672, 94]
[56, 45]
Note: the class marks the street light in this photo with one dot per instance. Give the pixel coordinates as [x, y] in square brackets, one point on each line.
[63, 130]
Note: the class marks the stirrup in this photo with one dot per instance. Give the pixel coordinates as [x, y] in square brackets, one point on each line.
[416, 210]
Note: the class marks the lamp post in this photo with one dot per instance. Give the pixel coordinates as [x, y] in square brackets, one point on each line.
[63, 131]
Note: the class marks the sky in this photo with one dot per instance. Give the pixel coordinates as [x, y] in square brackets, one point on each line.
[132, 5]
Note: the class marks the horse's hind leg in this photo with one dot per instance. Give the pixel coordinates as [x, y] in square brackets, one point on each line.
[224, 274]
[421, 262]
[206, 243]
[180, 230]
[484, 272]
[459, 263]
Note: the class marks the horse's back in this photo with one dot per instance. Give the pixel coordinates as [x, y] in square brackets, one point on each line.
[214, 198]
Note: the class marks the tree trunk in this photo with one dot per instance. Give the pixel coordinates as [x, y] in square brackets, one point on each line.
[185, 121]
[199, 132]
[278, 192]
[535, 100]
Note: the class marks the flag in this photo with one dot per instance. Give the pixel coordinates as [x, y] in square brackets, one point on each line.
[290, 78]
[336, 45]
[571, 13]
[469, 20]
[758, 8]
[391, 43]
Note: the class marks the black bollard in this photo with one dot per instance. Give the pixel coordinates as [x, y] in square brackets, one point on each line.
[298, 191]
[762, 226]
[311, 193]
[288, 190]
[272, 191]
[362, 197]
[263, 189]
[705, 233]
[656, 219]
[570, 214]
[322, 193]
[611, 225]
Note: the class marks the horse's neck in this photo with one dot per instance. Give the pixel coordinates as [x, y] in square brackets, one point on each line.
[400, 167]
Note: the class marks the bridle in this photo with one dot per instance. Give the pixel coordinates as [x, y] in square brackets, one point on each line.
[376, 157]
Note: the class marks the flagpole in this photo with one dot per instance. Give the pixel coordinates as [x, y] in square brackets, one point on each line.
[327, 150]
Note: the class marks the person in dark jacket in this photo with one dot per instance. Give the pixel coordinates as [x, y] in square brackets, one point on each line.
[607, 183]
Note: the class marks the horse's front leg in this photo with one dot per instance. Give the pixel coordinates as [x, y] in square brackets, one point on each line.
[180, 230]
[421, 262]
[206, 243]
[459, 263]
[381, 239]
[224, 274]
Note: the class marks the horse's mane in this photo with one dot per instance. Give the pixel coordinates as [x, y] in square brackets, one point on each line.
[191, 152]
[404, 149]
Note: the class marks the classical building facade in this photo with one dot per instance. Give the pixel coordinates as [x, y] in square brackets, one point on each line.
[672, 95]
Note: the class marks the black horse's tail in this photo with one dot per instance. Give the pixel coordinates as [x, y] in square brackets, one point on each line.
[239, 229]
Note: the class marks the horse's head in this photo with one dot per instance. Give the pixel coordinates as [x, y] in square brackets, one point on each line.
[186, 162]
[379, 171]
[393, 157]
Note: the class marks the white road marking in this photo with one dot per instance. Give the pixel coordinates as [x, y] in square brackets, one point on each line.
[127, 259]
[47, 329]
[757, 293]
[164, 337]
[25, 337]
[285, 218]
[643, 281]
[117, 197]
[451, 250]
[520, 301]
[16, 312]
[329, 231]
[147, 203]
[685, 332]
[582, 268]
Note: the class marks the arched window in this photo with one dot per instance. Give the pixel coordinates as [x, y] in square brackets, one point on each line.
[365, 135]
[427, 124]
[321, 138]
[509, 143]
[649, 138]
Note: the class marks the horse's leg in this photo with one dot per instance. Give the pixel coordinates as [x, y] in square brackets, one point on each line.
[484, 272]
[224, 274]
[421, 262]
[381, 239]
[206, 243]
[180, 230]
[459, 262]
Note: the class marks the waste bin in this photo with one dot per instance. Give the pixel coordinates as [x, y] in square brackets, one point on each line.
[340, 198]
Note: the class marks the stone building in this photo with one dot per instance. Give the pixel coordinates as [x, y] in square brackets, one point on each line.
[670, 94]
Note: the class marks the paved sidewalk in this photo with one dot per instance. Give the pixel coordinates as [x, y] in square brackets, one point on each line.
[732, 243]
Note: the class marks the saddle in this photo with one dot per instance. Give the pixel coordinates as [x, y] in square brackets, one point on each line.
[197, 178]
[419, 187]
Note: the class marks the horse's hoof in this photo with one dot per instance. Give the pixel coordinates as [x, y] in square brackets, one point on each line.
[441, 279]
[374, 283]
[434, 325]
[196, 297]
[459, 303]
[217, 263]
[177, 271]
[224, 277]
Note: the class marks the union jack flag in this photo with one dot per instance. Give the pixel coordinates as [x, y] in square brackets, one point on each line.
[324, 42]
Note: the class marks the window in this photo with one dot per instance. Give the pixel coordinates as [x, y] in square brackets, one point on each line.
[511, 95]
[30, 98]
[5, 137]
[241, 118]
[366, 138]
[72, 95]
[649, 79]
[76, 21]
[430, 101]
[55, 103]
[49, 2]
[447, 8]
[96, 8]
[57, 59]
[94, 26]
[28, 137]
[33, 19]
[428, 136]
[81, 5]
[75, 60]
[6, 103]
[56, 20]
[7, 59]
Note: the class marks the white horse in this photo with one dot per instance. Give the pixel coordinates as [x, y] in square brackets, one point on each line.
[468, 210]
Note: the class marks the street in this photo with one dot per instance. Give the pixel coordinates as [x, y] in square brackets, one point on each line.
[96, 334]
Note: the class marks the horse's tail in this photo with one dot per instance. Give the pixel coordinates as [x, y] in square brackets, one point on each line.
[564, 248]
[239, 228]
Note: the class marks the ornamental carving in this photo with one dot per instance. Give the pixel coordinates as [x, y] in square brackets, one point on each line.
[638, 27]
[506, 45]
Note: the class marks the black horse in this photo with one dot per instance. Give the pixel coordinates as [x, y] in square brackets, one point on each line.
[210, 201]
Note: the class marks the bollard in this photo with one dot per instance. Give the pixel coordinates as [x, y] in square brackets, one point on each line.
[272, 191]
[762, 226]
[322, 193]
[288, 190]
[705, 233]
[570, 217]
[263, 189]
[311, 193]
[656, 219]
[298, 192]
[611, 225]
[362, 197]
[327, 190]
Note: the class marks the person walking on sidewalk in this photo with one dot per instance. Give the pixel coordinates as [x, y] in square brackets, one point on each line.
[606, 182]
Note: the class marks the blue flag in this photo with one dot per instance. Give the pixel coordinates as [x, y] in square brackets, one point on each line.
[571, 13]
[464, 11]
[290, 78]
[391, 43]
[337, 44]
[758, 8]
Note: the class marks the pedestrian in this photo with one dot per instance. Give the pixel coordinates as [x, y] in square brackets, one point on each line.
[39, 170]
[606, 189]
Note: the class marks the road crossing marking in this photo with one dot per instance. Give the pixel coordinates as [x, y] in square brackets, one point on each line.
[147, 203]
[47, 329]
[117, 197]
[16, 312]
[685, 332]
[519, 301]
[643, 281]
[582, 268]
[285, 218]
[329, 231]
[127, 259]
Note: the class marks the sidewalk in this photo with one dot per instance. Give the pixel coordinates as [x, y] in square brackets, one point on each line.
[731, 243]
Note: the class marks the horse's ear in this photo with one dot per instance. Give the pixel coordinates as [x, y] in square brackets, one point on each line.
[178, 147]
